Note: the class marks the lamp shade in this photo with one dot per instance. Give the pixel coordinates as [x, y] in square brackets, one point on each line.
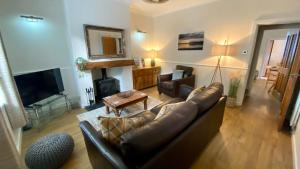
[220, 50]
[153, 53]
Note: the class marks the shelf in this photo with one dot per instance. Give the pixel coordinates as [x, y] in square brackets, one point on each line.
[108, 64]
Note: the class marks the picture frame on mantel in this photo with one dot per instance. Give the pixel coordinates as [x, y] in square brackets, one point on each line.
[104, 42]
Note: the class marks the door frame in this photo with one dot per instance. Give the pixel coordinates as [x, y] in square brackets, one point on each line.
[260, 28]
[253, 38]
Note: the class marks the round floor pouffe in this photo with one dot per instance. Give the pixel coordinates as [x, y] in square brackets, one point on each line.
[50, 152]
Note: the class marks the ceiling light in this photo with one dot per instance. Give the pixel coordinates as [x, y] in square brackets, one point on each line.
[156, 1]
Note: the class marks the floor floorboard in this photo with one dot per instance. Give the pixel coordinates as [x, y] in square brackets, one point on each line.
[248, 138]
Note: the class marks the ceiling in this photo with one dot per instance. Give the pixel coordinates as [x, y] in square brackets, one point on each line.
[164, 8]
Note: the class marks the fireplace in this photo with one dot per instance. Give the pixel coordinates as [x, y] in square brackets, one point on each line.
[98, 84]
[106, 86]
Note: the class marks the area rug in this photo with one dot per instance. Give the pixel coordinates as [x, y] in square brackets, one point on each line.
[92, 116]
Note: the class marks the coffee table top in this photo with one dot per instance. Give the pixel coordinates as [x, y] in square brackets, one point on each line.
[116, 101]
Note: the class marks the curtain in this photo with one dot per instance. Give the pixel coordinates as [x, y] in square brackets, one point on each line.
[10, 96]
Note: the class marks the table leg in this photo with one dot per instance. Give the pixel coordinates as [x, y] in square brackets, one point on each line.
[117, 113]
[107, 109]
[145, 104]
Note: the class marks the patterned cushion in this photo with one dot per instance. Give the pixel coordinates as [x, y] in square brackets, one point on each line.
[195, 92]
[112, 128]
[167, 109]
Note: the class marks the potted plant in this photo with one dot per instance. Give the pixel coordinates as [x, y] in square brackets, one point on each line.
[81, 63]
[235, 80]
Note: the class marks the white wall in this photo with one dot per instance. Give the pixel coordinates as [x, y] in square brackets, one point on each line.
[107, 13]
[277, 52]
[232, 19]
[142, 43]
[33, 46]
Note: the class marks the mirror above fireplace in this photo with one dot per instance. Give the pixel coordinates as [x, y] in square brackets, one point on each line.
[104, 42]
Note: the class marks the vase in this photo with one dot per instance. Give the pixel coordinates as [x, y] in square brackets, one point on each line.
[231, 102]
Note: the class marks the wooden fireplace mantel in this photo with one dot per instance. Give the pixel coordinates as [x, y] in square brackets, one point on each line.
[108, 64]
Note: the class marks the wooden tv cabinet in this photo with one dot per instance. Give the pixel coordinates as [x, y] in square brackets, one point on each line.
[145, 77]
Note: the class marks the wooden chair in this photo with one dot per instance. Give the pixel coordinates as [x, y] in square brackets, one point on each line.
[272, 75]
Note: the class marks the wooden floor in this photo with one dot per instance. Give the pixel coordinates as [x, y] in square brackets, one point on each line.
[248, 138]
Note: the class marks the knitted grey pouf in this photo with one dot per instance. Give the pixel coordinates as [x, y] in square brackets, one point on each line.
[50, 152]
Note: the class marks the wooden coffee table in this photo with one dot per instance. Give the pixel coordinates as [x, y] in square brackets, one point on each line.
[117, 103]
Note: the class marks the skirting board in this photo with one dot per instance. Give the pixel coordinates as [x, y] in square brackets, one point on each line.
[294, 149]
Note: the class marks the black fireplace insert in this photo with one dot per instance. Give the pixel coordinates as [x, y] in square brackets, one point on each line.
[106, 86]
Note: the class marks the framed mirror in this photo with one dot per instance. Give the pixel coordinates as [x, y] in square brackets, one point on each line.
[103, 42]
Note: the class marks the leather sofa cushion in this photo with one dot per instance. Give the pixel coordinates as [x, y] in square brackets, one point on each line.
[169, 108]
[208, 97]
[137, 145]
[168, 85]
[157, 108]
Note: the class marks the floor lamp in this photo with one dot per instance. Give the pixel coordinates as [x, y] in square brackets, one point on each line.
[219, 50]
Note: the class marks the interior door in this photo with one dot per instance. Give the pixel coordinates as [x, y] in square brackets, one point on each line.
[286, 63]
[290, 77]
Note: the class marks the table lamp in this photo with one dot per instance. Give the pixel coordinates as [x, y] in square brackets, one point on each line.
[153, 56]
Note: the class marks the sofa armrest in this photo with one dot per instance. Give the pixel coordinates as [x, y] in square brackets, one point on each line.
[184, 91]
[190, 81]
[101, 154]
[165, 77]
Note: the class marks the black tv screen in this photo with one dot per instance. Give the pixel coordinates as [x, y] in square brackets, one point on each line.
[36, 86]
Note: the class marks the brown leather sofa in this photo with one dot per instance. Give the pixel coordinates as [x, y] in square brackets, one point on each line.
[173, 141]
[171, 87]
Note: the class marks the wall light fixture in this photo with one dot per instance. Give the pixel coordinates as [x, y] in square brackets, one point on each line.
[32, 18]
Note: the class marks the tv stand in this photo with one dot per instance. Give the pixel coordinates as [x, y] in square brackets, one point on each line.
[38, 107]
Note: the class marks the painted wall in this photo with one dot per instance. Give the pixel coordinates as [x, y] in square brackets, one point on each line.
[231, 19]
[277, 52]
[142, 43]
[34, 46]
[105, 13]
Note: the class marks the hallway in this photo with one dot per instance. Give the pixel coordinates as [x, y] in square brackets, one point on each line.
[249, 138]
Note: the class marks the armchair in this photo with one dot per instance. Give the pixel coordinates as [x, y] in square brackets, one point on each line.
[171, 87]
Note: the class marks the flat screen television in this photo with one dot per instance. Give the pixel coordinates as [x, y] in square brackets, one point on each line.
[36, 86]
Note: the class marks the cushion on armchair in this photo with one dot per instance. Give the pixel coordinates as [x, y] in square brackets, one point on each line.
[187, 71]
[177, 74]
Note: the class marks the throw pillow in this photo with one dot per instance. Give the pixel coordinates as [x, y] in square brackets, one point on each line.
[167, 109]
[195, 92]
[177, 74]
[113, 128]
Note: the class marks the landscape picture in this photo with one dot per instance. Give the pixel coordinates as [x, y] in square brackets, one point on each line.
[191, 41]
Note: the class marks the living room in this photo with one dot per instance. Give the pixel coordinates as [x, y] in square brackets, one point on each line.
[209, 44]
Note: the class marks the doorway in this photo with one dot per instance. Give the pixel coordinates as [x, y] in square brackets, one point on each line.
[276, 52]
[272, 58]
